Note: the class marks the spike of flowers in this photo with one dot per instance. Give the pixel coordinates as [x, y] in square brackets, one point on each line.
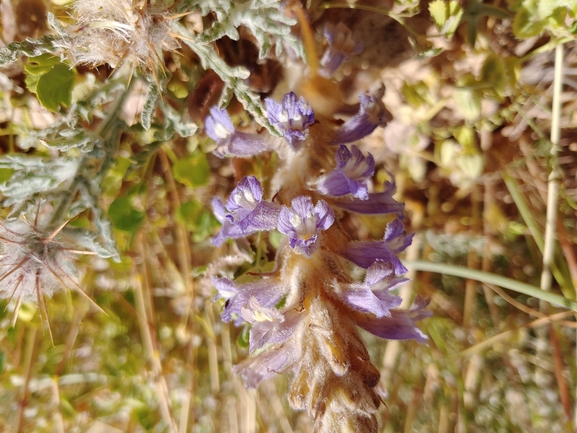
[305, 315]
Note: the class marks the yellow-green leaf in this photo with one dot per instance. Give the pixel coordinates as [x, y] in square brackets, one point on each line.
[54, 88]
[192, 171]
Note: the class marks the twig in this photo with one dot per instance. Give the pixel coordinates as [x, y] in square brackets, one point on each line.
[553, 184]
[58, 412]
[144, 322]
[31, 346]
[489, 343]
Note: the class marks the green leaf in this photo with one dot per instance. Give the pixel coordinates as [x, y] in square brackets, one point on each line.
[244, 337]
[192, 171]
[438, 11]
[489, 278]
[526, 24]
[197, 219]
[38, 66]
[30, 48]
[55, 87]
[149, 106]
[447, 15]
[468, 103]
[123, 215]
[493, 73]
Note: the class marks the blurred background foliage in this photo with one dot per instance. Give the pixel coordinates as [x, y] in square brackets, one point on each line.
[469, 85]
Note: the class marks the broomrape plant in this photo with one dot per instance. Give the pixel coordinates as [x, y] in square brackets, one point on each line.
[304, 314]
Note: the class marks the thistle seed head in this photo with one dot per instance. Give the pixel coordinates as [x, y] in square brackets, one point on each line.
[114, 31]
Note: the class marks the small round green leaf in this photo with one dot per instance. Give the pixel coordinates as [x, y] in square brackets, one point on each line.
[124, 216]
[55, 87]
[192, 171]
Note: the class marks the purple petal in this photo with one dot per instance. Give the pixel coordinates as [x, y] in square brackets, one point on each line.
[381, 278]
[372, 113]
[218, 209]
[342, 44]
[350, 176]
[226, 288]
[266, 364]
[380, 203]
[218, 125]
[373, 295]
[303, 223]
[254, 312]
[247, 213]
[246, 195]
[267, 292]
[228, 229]
[399, 326]
[364, 300]
[275, 332]
[365, 254]
[263, 218]
[241, 145]
[292, 117]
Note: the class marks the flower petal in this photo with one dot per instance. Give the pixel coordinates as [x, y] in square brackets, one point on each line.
[350, 176]
[380, 203]
[275, 332]
[266, 364]
[267, 292]
[372, 113]
[401, 324]
[292, 117]
[303, 222]
[364, 254]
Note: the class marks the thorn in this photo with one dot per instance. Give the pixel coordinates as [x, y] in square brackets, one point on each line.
[16, 311]
[74, 286]
[80, 252]
[179, 36]
[55, 233]
[42, 308]
[14, 291]
[14, 269]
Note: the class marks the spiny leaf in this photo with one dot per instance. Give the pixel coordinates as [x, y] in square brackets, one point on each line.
[30, 48]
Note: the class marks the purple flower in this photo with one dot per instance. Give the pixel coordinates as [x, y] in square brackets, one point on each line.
[267, 363]
[400, 325]
[342, 45]
[292, 117]
[364, 254]
[373, 295]
[266, 293]
[303, 223]
[377, 203]
[277, 329]
[245, 212]
[219, 127]
[372, 113]
[351, 174]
